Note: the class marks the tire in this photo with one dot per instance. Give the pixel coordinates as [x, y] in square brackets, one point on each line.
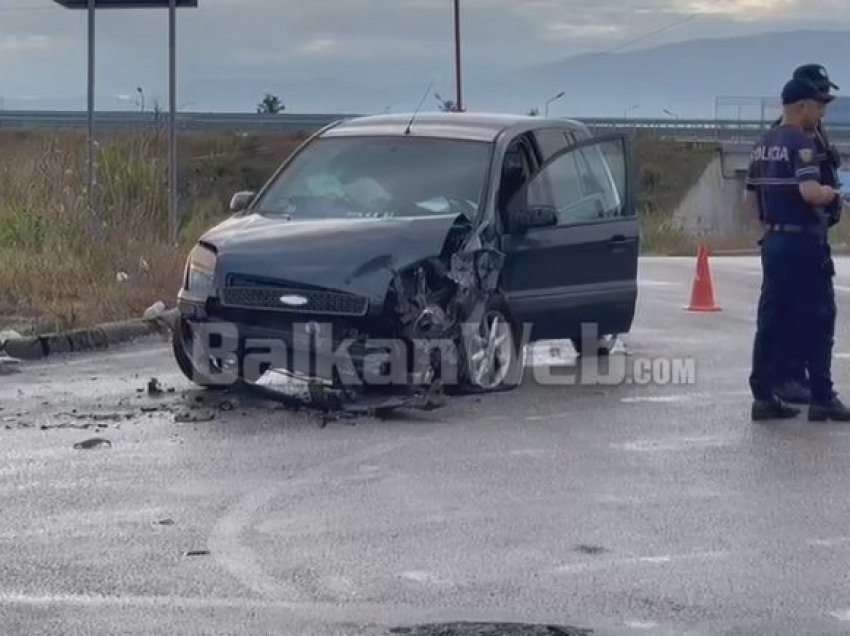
[180, 336]
[499, 367]
[603, 346]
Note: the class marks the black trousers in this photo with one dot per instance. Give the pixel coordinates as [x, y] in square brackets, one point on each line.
[796, 315]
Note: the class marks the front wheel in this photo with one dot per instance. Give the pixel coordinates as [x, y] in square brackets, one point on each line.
[181, 345]
[490, 354]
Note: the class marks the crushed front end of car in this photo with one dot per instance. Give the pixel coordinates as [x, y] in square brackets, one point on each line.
[394, 337]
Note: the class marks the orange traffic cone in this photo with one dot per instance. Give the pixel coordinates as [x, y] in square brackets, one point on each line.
[702, 292]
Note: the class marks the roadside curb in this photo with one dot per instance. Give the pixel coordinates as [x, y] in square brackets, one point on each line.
[96, 338]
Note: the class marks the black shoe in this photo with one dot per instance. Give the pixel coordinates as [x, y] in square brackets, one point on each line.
[772, 410]
[833, 410]
[794, 393]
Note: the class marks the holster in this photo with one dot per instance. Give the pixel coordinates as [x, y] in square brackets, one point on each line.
[834, 157]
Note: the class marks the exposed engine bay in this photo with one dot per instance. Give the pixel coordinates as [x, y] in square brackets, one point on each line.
[428, 306]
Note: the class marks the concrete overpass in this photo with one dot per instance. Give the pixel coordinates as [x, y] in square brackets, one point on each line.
[713, 206]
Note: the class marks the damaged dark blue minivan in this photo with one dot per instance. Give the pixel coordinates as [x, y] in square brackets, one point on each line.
[404, 253]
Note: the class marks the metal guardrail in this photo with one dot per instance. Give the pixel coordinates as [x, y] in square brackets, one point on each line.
[185, 121]
[680, 129]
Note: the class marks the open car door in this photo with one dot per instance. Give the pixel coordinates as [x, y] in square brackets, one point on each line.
[572, 254]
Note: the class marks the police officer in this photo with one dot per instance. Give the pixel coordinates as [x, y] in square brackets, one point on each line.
[797, 301]
[795, 387]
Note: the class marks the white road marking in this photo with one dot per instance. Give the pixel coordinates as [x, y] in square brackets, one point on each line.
[675, 444]
[657, 399]
[143, 601]
[841, 356]
[425, 578]
[683, 397]
[641, 624]
[657, 283]
[829, 543]
[842, 615]
[323, 612]
[240, 560]
[665, 559]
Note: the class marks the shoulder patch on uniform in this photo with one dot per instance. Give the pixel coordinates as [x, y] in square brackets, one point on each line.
[807, 155]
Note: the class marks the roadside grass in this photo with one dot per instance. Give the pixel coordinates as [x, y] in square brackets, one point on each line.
[666, 172]
[59, 266]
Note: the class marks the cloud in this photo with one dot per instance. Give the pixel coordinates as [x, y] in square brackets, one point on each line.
[592, 31]
[320, 47]
[398, 42]
[28, 44]
[748, 9]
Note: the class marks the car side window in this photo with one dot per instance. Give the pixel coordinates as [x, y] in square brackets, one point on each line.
[557, 186]
[583, 185]
[516, 170]
[550, 141]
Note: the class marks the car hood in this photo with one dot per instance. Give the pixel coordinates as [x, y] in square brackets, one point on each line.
[352, 255]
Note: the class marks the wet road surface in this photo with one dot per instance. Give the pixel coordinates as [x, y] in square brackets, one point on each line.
[626, 508]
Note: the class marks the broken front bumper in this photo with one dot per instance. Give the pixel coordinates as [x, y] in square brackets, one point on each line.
[299, 354]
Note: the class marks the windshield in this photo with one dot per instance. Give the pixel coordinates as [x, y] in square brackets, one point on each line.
[377, 177]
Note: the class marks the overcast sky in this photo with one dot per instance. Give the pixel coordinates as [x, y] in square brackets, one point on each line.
[42, 46]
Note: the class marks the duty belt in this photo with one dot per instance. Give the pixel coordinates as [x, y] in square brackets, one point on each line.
[816, 230]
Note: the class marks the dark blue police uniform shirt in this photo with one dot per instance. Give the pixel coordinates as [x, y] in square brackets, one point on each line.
[783, 159]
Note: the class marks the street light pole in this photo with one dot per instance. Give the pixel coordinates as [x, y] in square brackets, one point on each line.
[90, 111]
[172, 5]
[458, 79]
[172, 136]
[552, 99]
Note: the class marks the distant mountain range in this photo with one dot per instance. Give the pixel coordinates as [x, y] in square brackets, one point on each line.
[684, 78]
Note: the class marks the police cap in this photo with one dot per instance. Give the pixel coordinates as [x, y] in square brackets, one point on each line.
[816, 74]
[796, 90]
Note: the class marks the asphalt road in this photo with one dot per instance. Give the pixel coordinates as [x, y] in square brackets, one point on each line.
[627, 508]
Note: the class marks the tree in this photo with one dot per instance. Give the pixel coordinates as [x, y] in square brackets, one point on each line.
[533, 112]
[270, 105]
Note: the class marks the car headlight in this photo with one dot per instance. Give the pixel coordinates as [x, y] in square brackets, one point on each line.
[200, 269]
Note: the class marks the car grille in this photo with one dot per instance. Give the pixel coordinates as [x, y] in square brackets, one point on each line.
[318, 302]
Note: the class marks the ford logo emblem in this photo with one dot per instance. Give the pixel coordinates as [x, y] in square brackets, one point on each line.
[293, 300]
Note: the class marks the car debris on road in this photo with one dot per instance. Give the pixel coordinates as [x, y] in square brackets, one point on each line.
[8, 364]
[95, 442]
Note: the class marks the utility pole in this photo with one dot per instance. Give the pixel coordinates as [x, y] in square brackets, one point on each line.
[173, 220]
[458, 78]
[90, 113]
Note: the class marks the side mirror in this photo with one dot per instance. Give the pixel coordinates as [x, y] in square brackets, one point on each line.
[240, 201]
[533, 217]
